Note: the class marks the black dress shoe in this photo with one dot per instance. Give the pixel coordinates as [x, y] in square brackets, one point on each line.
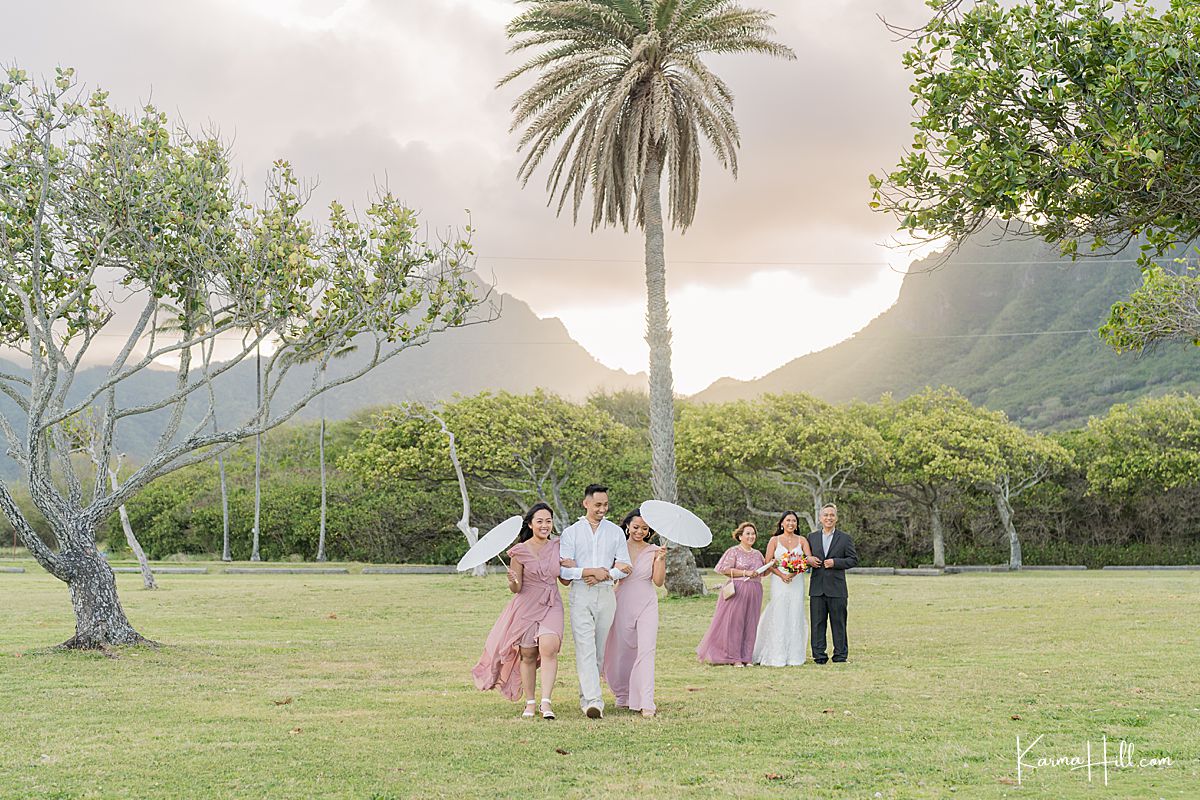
[820, 660]
[839, 661]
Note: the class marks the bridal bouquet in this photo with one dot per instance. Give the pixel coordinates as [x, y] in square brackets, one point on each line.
[793, 563]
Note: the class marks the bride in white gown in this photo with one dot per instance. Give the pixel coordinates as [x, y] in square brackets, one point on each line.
[782, 639]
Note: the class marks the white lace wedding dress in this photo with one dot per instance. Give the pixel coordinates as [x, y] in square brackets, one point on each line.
[782, 639]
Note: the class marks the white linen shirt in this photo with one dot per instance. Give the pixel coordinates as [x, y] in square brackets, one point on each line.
[588, 550]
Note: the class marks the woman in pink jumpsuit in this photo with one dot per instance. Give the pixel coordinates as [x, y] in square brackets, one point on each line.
[628, 667]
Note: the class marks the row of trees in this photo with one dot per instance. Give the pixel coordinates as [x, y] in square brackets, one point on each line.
[928, 478]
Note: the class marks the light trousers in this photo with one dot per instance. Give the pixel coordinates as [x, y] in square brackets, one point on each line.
[592, 609]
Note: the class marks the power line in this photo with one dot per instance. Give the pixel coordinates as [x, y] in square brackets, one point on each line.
[1059, 262]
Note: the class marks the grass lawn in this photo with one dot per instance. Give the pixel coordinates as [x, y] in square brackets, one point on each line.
[358, 686]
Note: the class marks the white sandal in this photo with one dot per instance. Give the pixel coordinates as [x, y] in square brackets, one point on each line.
[529, 704]
[547, 711]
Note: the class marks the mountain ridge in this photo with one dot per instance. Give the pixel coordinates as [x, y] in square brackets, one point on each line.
[1007, 325]
[516, 352]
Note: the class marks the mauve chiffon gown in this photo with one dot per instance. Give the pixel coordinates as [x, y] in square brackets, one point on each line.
[538, 606]
[730, 637]
[628, 667]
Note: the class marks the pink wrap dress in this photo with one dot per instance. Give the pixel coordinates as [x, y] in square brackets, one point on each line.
[629, 654]
[730, 637]
[535, 610]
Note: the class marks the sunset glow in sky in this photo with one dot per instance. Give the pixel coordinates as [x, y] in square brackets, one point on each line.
[784, 260]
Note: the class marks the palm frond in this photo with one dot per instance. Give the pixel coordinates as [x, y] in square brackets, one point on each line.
[620, 84]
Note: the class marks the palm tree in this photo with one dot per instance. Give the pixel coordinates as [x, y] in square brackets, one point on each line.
[324, 493]
[255, 554]
[342, 353]
[226, 550]
[620, 84]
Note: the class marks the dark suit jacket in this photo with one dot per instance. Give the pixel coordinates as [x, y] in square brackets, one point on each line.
[831, 581]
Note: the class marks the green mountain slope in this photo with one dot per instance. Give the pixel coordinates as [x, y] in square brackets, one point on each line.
[517, 353]
[989, 322]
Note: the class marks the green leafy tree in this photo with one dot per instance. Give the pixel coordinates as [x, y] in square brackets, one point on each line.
[1024, 460]
[621, 90]
[1165, 308]
[524, 448]
[1070, 120]
[938, 444]
[795, 441]
[1145, 448]
[88, 194]
[629, 407]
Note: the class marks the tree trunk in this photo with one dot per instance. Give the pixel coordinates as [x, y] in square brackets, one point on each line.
[939, 541]
[464, 522]
[226, 550]
[472, 535]
[134, 545]
[682, 576]
[321, 536]
[560, 509]
[100, 620]
[818, 498]
[562, 517]
[1004, 509]
[254, 554]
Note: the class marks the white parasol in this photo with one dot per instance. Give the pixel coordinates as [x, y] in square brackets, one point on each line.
[676, 523]
[492, 544]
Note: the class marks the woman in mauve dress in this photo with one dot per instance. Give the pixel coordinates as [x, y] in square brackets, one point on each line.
[730, 637]
[628, 667]
[529, 632]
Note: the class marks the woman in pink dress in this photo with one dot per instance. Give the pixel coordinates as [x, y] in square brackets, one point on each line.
[529, 632]
[628, 667]
[730, 637]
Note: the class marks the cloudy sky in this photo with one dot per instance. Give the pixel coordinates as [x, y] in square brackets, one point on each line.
[785, 260]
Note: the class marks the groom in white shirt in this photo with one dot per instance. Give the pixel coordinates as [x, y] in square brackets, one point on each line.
[598, 554]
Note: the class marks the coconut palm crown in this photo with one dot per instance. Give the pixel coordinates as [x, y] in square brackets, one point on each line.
[621, 84]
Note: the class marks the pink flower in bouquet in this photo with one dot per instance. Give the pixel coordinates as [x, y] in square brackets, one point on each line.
[793, 563]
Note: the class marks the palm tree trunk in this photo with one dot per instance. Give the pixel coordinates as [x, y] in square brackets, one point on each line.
[682, 575]
[321, 536]
[226, 551]
[254, 554]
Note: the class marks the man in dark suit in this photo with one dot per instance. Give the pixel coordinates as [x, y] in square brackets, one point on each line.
[832, 554]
